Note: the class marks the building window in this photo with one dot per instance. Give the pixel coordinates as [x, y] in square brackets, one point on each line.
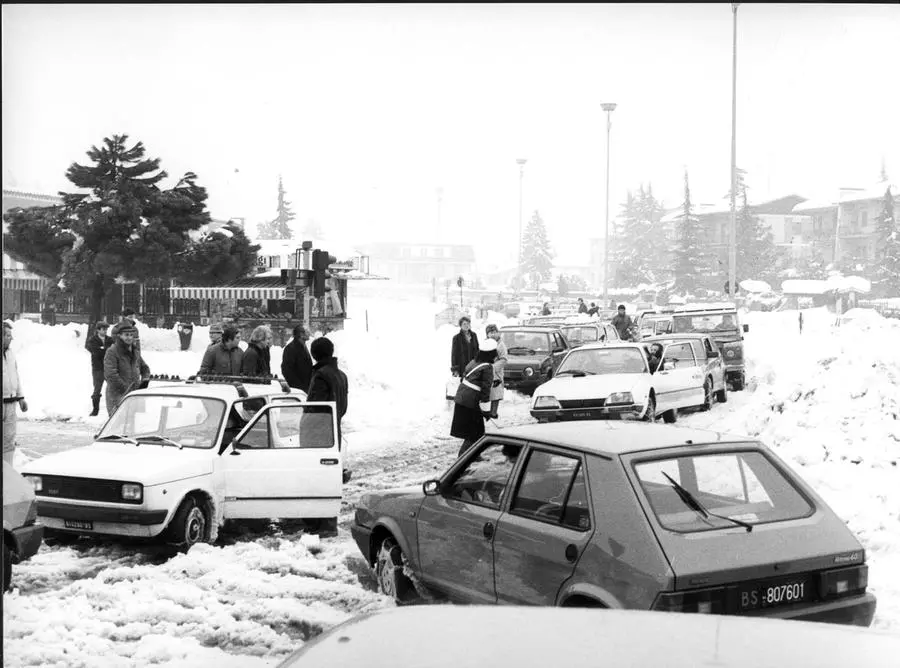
[863, 218]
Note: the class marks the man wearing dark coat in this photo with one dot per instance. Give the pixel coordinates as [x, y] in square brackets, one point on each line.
[97, 344]
[296, 362]
[257, 357]
[225, 357]
[464, 347]
[328, 383]
[123, 367]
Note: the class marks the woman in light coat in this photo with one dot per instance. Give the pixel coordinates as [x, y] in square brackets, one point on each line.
[492, 332]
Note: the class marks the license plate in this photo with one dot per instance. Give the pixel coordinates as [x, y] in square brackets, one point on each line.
[78, 524]
[774, 594]
[581, 414]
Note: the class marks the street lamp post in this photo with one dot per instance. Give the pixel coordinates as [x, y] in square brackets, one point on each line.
[732, 245]
[521, 162]
[608, 107]
[440, 200]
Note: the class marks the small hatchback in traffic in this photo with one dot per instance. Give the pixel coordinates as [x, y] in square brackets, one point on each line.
[619, 515]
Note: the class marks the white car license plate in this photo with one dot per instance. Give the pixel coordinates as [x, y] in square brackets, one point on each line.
[78, 524]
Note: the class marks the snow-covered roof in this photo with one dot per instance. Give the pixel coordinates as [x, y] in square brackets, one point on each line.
[751, 285]
[831, 284]
[872, 192]
[848, 284]
[812, 204]
[804, 286]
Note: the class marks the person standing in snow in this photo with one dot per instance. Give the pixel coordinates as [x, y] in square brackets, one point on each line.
[623, 323]
[296, 363]
[128, 318]
[474, 389]
[223, 358]
[464, 347]
[215, 334]
[12, 395]
[257, 356]
[328, 383]
[582, 307]
[123, 367]
[97, 344]
[492, 332]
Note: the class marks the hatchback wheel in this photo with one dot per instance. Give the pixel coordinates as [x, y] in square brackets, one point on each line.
[650, 413]
[707, 395]
[390, 563]
[189, 526]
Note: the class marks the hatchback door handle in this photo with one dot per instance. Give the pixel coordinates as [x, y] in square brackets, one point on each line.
[571, 553]
[488, 530]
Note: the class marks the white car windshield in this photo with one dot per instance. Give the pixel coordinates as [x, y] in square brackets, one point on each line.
[716, 322]
[581, 334]
[188, 422]
[603, 360]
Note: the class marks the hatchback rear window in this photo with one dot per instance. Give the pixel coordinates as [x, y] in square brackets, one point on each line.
[743, 485]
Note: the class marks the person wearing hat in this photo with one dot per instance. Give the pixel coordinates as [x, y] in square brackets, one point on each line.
[492, 332]
[97, 343]
[474, 389]
[128, 318]
[215, 334]
[123, 367]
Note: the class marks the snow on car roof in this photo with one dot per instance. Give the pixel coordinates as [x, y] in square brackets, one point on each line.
[615, 438]
[225, 391]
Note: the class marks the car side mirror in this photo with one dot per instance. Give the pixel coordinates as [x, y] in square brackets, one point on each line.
[559, 350]
[431, 487]
[746, 328]
[712, 354]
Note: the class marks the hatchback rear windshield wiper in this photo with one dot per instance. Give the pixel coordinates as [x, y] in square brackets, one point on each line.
[117, 437]
[691, 502]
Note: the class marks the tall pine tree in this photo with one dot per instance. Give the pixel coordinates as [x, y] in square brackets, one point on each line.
[755, 252]
[689, 255]
[124, 228]
[886, 272]
[280, 227]
[537, 255]
[640, 246]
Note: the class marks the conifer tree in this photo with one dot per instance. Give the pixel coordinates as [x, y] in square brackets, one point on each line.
[886, 272]
[689, 256]
[755, 252]
[280, 227]
[537, 255]
[640, 247]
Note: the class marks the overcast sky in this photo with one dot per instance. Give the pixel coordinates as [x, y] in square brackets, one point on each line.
[366, 110]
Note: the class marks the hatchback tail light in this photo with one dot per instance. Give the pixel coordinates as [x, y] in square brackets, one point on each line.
[843, 581]
[708, 601]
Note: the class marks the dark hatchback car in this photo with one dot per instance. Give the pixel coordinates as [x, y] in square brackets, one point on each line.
[619, 515]
[534, 352]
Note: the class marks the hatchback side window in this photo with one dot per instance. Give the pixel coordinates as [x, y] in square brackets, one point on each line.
[553, 490]
[484, 478]
[698, 351]
[708, 344]
[680, 355]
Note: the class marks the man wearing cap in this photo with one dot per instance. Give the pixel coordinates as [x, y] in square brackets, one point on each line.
[128, 318]
[123, 367]
[97, 343]
[215, 334]
[12, 395]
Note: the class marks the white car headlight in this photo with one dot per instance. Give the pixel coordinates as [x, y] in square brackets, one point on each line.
[546, 402]
[132, 491]
[620, 398]
[528, 372]
[37, 483]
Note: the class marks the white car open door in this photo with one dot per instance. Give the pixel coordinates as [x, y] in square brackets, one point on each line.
[678, 381]
[285, 463]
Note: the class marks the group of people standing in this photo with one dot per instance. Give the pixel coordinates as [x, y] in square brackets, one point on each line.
[479, 366]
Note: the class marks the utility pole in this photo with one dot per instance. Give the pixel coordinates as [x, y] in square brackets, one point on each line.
[732, 245]
[440, 199]
[608, 107]
[521, 162]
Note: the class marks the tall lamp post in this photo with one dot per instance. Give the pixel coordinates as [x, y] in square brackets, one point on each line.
[732, 245]
[608, 107]
[440, 200]
[521, 162]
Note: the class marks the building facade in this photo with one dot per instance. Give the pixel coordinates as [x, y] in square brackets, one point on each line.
[414, 263]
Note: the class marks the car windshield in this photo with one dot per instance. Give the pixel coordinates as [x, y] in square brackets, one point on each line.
[743, 485]
[715, 322]
[581, 334]
[525, 343]
[604, 360]
[188, 422]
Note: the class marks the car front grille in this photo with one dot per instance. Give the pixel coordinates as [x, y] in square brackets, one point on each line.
[582, 403]
[82, 489]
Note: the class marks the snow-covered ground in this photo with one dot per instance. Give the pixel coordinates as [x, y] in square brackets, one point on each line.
[828, 401]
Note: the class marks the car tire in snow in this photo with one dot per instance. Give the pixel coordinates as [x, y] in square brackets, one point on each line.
[722, 395]
[707, 395]
[670, 416]
[7, 566]
[390, 563]
[650, 413]
[189, 526]
[325, 526]
[738, 383]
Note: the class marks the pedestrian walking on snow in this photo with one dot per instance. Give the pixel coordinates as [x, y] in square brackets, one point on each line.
[12, 395]
[123, 367]
[97, 343]
[492, 332]
[474, 389]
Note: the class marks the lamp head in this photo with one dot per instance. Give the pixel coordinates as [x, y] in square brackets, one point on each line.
[608, 106]
[521, 161]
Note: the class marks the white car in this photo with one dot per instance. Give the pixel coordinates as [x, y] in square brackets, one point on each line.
[177, 459]
[708, 358]
[614, 380]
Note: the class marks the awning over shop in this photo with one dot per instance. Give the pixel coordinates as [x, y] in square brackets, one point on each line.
[250, 288]
[34, 283]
